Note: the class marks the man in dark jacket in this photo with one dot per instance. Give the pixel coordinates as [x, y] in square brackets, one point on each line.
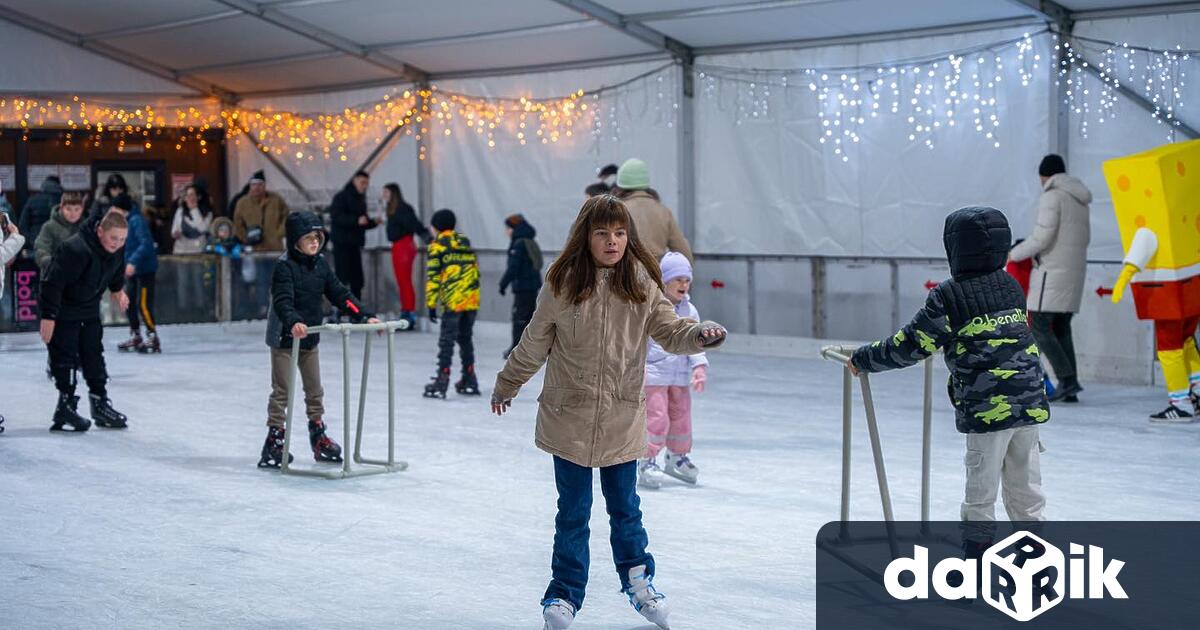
[83, 267]
[350, 224]
[978, 319]
[523, 273]
[37, 210]
[300, 279]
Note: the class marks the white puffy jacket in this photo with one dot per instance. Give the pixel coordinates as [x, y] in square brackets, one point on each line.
[10, 246]
[664, 368]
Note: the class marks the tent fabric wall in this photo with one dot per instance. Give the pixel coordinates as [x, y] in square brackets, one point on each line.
[793, 195]
[545, 182]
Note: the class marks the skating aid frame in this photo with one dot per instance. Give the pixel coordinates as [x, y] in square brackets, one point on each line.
[373, 466]
[842, 354]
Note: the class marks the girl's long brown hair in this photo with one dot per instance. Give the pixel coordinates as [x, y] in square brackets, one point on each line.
[394, 199]
[573, 274]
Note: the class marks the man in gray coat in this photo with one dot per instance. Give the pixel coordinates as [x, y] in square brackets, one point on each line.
[1058, 247]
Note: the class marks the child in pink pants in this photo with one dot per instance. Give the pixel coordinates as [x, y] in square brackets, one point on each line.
[668, 379]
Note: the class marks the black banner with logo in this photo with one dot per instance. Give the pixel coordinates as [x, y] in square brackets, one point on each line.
[1076, 575]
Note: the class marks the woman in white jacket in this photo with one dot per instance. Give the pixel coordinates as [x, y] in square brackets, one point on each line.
[668, 379]
[1058, 247]
[190, 228]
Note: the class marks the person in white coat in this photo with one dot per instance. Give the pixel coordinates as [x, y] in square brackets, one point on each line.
[1058, 247]
[190, 229]
[11, 243]
[668, 397]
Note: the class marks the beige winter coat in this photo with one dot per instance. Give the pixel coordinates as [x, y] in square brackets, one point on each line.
[656, 226]
[1058, 246]
[592, 411]
[270, 215]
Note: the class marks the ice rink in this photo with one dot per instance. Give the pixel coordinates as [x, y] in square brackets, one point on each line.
[169, 524]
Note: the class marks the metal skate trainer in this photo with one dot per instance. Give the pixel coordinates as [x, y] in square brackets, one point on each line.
[370, 466]
[842, 354]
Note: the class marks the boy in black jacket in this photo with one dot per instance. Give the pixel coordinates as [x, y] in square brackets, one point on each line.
[83, 267]
[978, 319]
[524, 273]
[301, 279]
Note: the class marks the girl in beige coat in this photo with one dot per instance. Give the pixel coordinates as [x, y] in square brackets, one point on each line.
[602, 300]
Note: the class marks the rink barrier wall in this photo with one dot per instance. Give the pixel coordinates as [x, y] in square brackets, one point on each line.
[775, 304]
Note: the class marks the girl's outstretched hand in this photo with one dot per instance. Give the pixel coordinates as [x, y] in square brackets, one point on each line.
[712, 334]
[499, 407]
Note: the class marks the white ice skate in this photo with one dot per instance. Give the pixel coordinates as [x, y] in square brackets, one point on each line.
[681, 468]
[558, 614]
[649, 474]
[648, 602]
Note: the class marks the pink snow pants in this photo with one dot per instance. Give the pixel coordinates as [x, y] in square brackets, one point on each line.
[668, 419]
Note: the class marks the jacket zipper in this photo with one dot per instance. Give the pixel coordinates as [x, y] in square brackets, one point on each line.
[600, 380]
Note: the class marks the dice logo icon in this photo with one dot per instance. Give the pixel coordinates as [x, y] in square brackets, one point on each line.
[1023, 576]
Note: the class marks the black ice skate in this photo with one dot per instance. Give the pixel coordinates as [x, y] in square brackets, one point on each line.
[272, 450]
[133, 344]
[65, 414]
[151, 345]
[1, 424]
[323, 447]
[468, 385]
[441, 382]
[104, 414]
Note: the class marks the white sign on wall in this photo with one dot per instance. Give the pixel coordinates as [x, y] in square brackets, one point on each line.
[37, 173]
[8, 177]
[75, 176]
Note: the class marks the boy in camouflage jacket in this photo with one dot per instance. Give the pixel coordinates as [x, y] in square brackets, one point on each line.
[978, 319]
[452, 281]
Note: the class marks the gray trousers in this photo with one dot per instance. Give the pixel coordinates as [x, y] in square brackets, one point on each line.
[310, 375]
[1009, 460]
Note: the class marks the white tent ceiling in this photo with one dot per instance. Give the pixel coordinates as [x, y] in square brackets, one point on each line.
[243, 47]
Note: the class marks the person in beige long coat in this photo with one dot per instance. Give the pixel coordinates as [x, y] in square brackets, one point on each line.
[1058, 247]
[601, 302]
[655, 222]
[259, 217]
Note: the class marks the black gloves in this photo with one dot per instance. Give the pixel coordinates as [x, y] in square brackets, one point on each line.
[433, 316]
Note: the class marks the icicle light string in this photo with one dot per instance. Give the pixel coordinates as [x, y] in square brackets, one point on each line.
[931, 92]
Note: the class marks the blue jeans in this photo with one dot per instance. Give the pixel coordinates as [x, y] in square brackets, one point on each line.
[569, 565]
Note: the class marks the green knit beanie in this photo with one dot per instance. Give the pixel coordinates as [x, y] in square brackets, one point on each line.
[633, 175]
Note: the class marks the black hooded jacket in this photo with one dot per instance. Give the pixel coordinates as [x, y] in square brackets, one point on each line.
[978, 319]
[347, 206]
[404, 222]
[78, 275]
[298, 284]
[523, 252]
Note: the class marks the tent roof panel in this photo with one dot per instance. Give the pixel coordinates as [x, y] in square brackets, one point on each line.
[88, 18]
[374, 22]
[829, 19]
[229, 40]
[576, 44]
[340, 69]
[1094, 5]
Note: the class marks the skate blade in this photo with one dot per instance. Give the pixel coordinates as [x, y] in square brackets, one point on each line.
[469, 392]
[62, 428]
[691, 481]
[110, 425]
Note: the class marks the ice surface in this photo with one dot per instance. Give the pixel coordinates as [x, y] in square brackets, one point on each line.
[170, 525]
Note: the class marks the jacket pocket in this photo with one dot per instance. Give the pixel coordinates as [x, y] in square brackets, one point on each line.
[632, 400]
[560, 398]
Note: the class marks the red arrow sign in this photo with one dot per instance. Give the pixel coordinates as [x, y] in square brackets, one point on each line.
[717, 284]
[930, 285]
[1101, 291]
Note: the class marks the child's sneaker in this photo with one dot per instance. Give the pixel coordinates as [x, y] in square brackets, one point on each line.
[681, 468]
[649, 474]
[1173, 415]
[558, 614]
[645, 599]
[323, 447]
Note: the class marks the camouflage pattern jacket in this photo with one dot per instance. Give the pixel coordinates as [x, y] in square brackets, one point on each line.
[452, 274]
[981, 325]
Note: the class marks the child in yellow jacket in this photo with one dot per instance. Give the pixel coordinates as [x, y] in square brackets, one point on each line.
[452, 282]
